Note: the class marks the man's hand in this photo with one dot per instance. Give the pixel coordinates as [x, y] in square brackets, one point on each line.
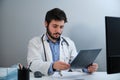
[92, 68]
[59, 65]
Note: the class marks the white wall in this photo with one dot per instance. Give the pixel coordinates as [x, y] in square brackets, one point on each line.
[22, 19]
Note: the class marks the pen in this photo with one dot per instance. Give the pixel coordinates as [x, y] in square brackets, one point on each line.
[20, 66]
[70, 70]
[29, 67]
[60, 73]
[24, 68]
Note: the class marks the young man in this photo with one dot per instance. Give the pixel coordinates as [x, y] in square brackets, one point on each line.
[52, 52]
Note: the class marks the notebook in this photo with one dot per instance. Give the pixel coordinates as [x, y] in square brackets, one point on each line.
[84, 58]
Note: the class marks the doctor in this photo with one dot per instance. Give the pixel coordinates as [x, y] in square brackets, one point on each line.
[52, 52]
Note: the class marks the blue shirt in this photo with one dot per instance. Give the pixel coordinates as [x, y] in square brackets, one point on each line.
[55, 49]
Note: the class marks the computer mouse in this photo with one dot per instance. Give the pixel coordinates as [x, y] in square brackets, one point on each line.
[38, 74]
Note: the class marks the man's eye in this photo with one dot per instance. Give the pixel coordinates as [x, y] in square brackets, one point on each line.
[55, 26]
[61, 27]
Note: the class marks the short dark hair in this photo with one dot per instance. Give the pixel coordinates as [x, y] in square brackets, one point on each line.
[55, 14]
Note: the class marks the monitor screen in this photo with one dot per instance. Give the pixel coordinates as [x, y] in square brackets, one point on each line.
[112, 44]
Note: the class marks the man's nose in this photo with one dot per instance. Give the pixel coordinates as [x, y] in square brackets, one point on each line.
[58, 30]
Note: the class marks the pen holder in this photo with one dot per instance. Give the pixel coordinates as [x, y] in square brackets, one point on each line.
[23, 74]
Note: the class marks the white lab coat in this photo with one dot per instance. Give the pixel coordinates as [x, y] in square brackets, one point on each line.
[37, 57]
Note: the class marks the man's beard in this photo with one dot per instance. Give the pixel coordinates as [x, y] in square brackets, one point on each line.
[50, 34]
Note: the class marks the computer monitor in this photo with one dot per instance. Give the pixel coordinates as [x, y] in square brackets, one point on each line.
[112, 44]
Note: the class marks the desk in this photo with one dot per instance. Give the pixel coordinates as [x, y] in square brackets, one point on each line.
[11, 74]
[79, 76]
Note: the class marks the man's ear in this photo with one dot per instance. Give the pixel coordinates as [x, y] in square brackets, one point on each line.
[46, 24]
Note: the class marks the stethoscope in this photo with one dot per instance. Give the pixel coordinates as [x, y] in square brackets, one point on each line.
[63, 41]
